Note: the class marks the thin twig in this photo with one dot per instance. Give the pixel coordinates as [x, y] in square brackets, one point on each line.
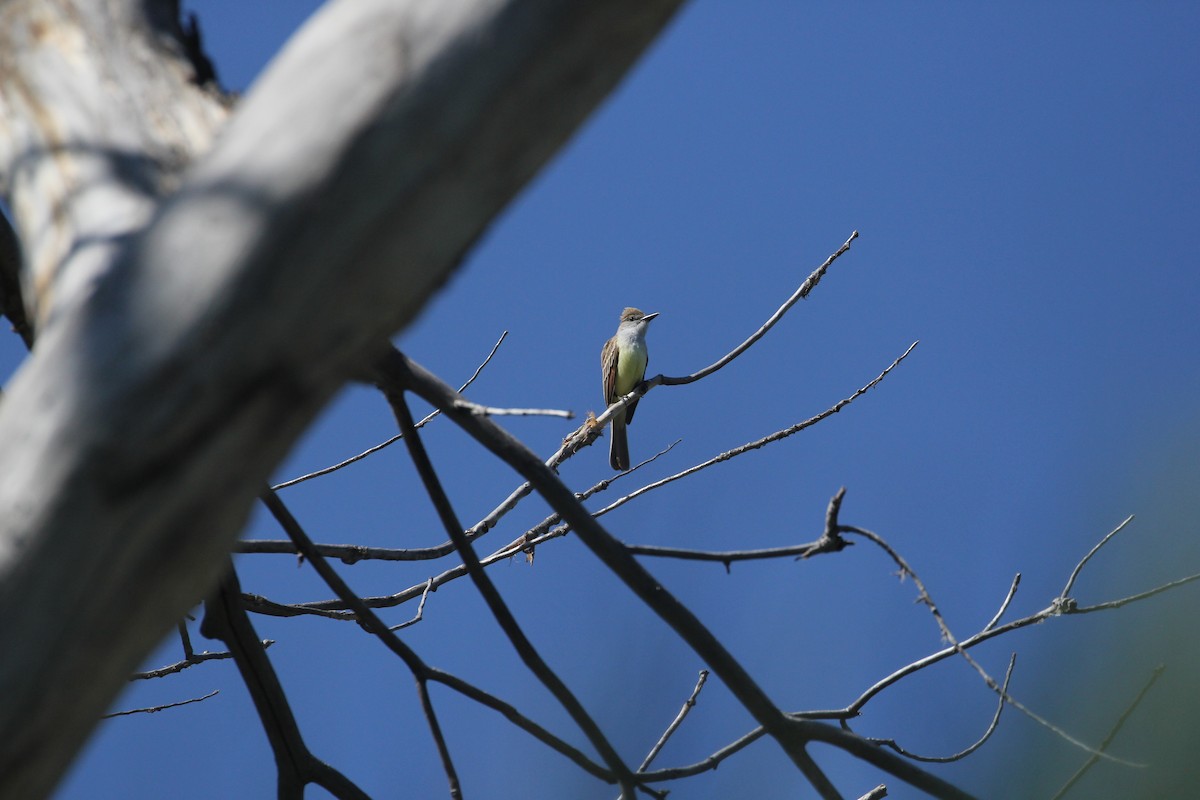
[710, 763]
[1133, 598]
[728, 557]
[296, 766]
[372, 450]
[420, 670]
[344, 463]
[347, 553]
[185, 640]
[855, 708]
[582, 436]
[792, 735]
[850, 742]
[525, 541]
[488, 411]
[688, 705]
[504, 618]
[1066, 592]
[764, 441]
[956, 646]
[1012, 592]
[420, 609]
[336, 609]
[190, 661]
[156, 709]
[1112, 734]
[809, 284]
[987, 734]
[593, 426]
[1059, 607]
[439, 739]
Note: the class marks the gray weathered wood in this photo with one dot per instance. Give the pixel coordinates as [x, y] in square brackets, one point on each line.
[204, 326]
[98, 117]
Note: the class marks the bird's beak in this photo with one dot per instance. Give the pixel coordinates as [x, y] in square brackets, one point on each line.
[649, 317]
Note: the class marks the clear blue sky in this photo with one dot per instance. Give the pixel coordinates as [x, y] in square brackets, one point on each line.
[1025, 179]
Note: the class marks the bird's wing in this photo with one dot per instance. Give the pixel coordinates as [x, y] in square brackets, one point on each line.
[608, 374]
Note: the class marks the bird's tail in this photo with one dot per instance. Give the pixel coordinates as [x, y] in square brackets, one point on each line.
[618, 446]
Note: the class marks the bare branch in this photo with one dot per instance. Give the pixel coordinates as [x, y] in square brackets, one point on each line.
[1066, 592]
[420, 608]
[856, 707]
[351, 553]
[728, 557]
[443, 749]
[1124, 601]
[809, 284]
[185, 640]
[191, 661]
[507, 622]
[962, 651]
[527, 540]
[346, 553]
[1112, 734]
[489, 411]
[763, 442]
[156, 709]
[194, 387]
[372, 450]
[420, 670]
[295, 764]
[1061, 606]
[987, 734]
[688, 705]
[593, 426]
[710, 763]
[831, 541]
[792, 734]
[1012, 592]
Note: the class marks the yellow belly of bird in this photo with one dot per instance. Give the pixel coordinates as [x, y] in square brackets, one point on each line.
[631, 368]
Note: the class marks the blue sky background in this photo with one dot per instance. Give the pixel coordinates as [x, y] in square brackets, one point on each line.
[1025, 179]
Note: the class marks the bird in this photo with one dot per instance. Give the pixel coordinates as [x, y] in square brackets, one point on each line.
[623, 364]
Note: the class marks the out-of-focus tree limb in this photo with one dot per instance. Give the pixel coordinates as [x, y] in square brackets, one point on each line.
[184, 343]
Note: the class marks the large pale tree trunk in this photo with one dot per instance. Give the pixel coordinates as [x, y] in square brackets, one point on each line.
[196, 304]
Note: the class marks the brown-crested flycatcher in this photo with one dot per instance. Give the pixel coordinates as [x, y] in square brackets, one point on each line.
[623, 363]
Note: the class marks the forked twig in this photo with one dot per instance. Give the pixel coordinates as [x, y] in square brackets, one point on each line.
[420, 609]
[957, 647]
[392, 440]
[420, 670]
[582, 436]
[334, 609]
[688, 705]
[504, 617]
[764, 441]
[590, 430]
[987, 734]
[793, 735]
[827, 543]
[1066, 592]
